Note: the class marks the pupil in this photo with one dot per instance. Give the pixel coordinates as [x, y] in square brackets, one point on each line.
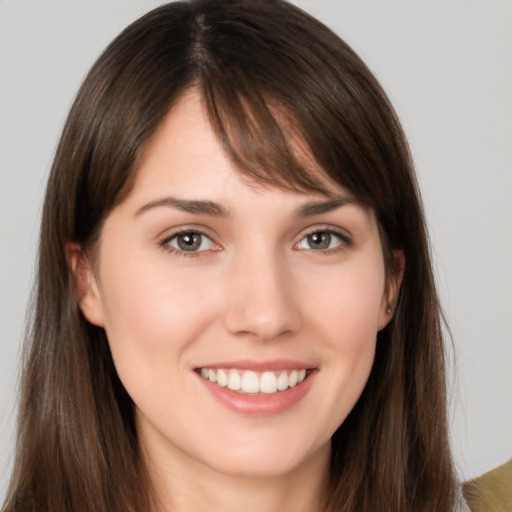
[189, 241]
[320, 240]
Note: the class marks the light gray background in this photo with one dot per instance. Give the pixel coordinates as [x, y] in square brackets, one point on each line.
[447, 66]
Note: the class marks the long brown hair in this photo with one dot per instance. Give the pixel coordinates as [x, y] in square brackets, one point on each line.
[269, 74]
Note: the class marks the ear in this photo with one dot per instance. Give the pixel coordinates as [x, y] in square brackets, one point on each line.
[86, 287]
[394, 281]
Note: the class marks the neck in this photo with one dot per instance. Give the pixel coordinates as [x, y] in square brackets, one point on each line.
[189, 486]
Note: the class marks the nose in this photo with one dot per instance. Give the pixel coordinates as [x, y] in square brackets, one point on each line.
[262, 299]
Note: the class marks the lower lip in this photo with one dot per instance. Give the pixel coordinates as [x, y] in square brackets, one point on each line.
[260, 405]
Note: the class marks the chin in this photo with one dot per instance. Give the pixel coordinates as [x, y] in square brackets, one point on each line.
[271, 460]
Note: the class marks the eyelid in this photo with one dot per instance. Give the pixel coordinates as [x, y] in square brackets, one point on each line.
[342, 234]
[345, 238]
[170, 234]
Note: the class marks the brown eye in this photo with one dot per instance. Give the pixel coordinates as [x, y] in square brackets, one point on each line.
[323, 240]
[191, 241]
[320, 240]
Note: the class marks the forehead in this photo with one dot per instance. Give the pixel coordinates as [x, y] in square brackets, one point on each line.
[185, 168]
[186, 151]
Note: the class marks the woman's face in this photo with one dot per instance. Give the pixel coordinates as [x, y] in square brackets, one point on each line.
[201, 276]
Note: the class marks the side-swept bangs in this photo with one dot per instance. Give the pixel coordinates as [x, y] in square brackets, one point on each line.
[288, 101]
[285, 102]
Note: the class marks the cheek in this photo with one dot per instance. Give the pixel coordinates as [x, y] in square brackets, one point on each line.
[349, 320]
[350, 306]
[346, 320]
[144, 296]
[151, 316]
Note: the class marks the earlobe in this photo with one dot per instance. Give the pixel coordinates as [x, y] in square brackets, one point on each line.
[86, 288]
[392, 292]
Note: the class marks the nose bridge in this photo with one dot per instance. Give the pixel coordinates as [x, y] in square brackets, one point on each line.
[262, 302]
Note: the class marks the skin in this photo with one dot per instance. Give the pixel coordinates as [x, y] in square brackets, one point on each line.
[256, 290]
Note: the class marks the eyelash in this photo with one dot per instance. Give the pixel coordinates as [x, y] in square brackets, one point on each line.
[178, 252]
[344, 242]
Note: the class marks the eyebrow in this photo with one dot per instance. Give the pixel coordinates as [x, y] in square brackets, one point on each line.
[319, 207]
[213, 209]
[198, 207]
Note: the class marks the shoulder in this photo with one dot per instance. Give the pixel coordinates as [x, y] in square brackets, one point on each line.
[491, 492]
[462, 506]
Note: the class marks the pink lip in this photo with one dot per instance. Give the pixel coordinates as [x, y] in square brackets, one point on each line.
[260, 366]
[259, 405]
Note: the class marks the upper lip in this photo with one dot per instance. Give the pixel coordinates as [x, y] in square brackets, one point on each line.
[260, 366]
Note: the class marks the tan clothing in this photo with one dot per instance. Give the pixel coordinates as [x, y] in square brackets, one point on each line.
[492, 492]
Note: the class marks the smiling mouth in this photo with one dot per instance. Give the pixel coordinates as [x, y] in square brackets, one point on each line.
[250, 382]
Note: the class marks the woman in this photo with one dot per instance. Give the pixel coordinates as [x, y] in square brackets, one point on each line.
[235, 303]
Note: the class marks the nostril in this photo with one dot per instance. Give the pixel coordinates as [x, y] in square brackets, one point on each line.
[263, 320]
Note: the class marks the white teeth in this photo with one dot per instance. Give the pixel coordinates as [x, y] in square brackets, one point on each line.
[251, 382]
[282, 381]
[222, 378]
[234, 381]
[268, 383]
